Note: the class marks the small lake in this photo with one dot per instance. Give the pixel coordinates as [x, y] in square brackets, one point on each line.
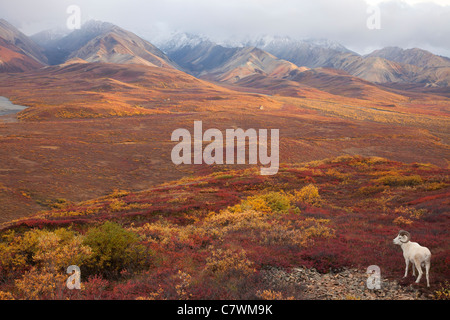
[7, 107]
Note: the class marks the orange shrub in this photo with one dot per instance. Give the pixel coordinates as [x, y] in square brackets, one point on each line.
[222, 262]
[272, 295]
[219, 224]
[40, 284]
[181, 288]
[400, 220]
[280, 234]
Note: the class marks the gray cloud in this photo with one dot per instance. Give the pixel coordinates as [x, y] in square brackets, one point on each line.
[425, 24]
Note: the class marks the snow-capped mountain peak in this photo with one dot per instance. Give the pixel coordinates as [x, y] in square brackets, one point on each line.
[178, 40]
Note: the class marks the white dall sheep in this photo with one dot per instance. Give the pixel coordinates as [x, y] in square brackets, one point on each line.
[414, 253]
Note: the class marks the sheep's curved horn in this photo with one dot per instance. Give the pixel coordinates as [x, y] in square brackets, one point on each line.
[405, 233]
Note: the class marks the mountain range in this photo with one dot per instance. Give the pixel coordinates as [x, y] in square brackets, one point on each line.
[389, 65]
[278, 64]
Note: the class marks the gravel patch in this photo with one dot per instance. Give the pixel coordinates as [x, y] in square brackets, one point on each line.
[349, 284]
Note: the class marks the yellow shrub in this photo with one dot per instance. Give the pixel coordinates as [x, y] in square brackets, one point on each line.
[256, 203]
[12, 257]
[57, 249]
[53, 250]
[117, 205]
[312, 228]
[411, 212]
[308, 194]
[158, 232]
[443, 293]
[218, 224]
[72, 213]
[267, 203]
[435, 186]
[397, 180]
[118, 193]
[167, 234]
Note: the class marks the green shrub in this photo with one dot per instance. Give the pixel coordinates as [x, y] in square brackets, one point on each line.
[114, 249]
[277, 201]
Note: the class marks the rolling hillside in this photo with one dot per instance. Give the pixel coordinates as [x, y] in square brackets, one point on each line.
[113, 90]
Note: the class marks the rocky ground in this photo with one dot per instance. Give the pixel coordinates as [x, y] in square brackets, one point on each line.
[345, 285]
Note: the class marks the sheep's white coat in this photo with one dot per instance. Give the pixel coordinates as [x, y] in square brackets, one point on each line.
[415, 254]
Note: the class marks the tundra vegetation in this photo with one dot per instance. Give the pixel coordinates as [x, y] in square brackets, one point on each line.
[212, 236]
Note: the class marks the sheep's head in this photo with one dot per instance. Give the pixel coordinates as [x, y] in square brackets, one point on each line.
[402, 237]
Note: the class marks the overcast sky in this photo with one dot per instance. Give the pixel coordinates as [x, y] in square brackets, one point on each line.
[403, 23]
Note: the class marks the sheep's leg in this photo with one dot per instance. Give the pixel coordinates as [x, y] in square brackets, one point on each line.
[406, 270]
[419, 269]
[427, 270]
